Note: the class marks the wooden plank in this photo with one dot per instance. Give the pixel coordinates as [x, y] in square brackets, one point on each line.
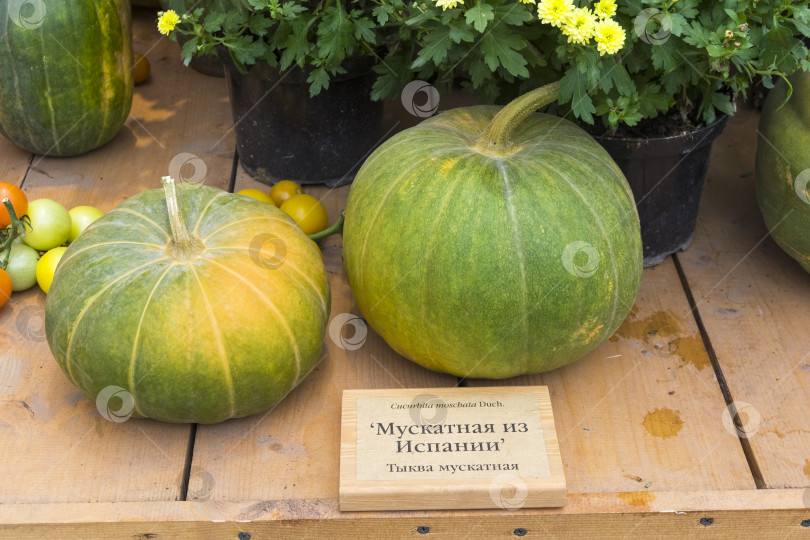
[56, 447]
[644, 407]
[753, 300]
[736, 514]
[13, 162]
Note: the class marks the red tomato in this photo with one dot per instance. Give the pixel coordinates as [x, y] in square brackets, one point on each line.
[18, 200]
[5, 287]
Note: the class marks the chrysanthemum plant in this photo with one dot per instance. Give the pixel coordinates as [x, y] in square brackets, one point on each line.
[319, 36]
[620, 61]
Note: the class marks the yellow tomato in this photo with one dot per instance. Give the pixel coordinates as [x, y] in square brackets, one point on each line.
[141, 69]
[46, 267]
[307, 211]
[81, 217]
[257, 194]
[283, 190]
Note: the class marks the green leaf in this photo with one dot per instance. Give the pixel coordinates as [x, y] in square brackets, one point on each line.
[213, 22]
[189, 48]
[716, 51]
[335, 36]
[460, 31]
[382, 13]
[651, 101]
[434, 48]
[393, 74]
[318, 80]
[364, 30]
[479, 16]
[259, 24]
[513, 14]
[234, 19]
[296, 45]
[663, 56]
[573, 91]
[479, 71]
[622, 81]
[290, 10]
[501, 48]
[423, 17]
[245, 49]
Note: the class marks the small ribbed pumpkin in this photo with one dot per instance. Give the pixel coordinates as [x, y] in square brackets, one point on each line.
[493, 245]
[200, 304]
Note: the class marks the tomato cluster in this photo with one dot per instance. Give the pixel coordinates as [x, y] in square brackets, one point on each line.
[31, 242]
[305, 209]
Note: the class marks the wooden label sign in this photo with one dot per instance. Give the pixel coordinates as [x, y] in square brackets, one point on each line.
[449, 448]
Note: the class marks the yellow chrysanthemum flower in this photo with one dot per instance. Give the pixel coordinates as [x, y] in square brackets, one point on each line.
[446, 4]
[579, 25]
[554, 12]
[609, 36]
[167, 21]
[529, 1]
[605, 9]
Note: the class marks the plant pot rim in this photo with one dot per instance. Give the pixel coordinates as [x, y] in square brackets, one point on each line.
[719, 123]
[355, 66]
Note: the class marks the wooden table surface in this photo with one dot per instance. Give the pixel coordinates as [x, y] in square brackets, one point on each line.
[648, 445]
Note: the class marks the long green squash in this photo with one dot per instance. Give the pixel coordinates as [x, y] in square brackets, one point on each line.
[493, 246]
[65, 73]
[783, 167]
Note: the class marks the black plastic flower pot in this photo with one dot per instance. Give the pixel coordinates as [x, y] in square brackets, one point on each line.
[284, 134]
[667, 176]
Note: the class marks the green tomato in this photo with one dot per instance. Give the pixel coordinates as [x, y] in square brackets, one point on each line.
[50, 225]
[81, 217]
[46, 267]
[22, 267]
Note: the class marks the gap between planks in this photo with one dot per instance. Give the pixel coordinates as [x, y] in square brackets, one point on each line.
[750, 458]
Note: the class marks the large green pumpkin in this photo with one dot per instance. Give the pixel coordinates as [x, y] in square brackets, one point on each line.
[217, 314]
[495, 255]
[783, 167]
[65, 73]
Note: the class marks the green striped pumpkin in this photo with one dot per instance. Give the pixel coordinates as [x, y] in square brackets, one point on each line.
[65, 73]
[783, 167]
[194, 306]
[495, 255]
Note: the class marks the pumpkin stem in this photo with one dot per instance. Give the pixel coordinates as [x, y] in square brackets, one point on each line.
[496, 138]
[183, 246]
